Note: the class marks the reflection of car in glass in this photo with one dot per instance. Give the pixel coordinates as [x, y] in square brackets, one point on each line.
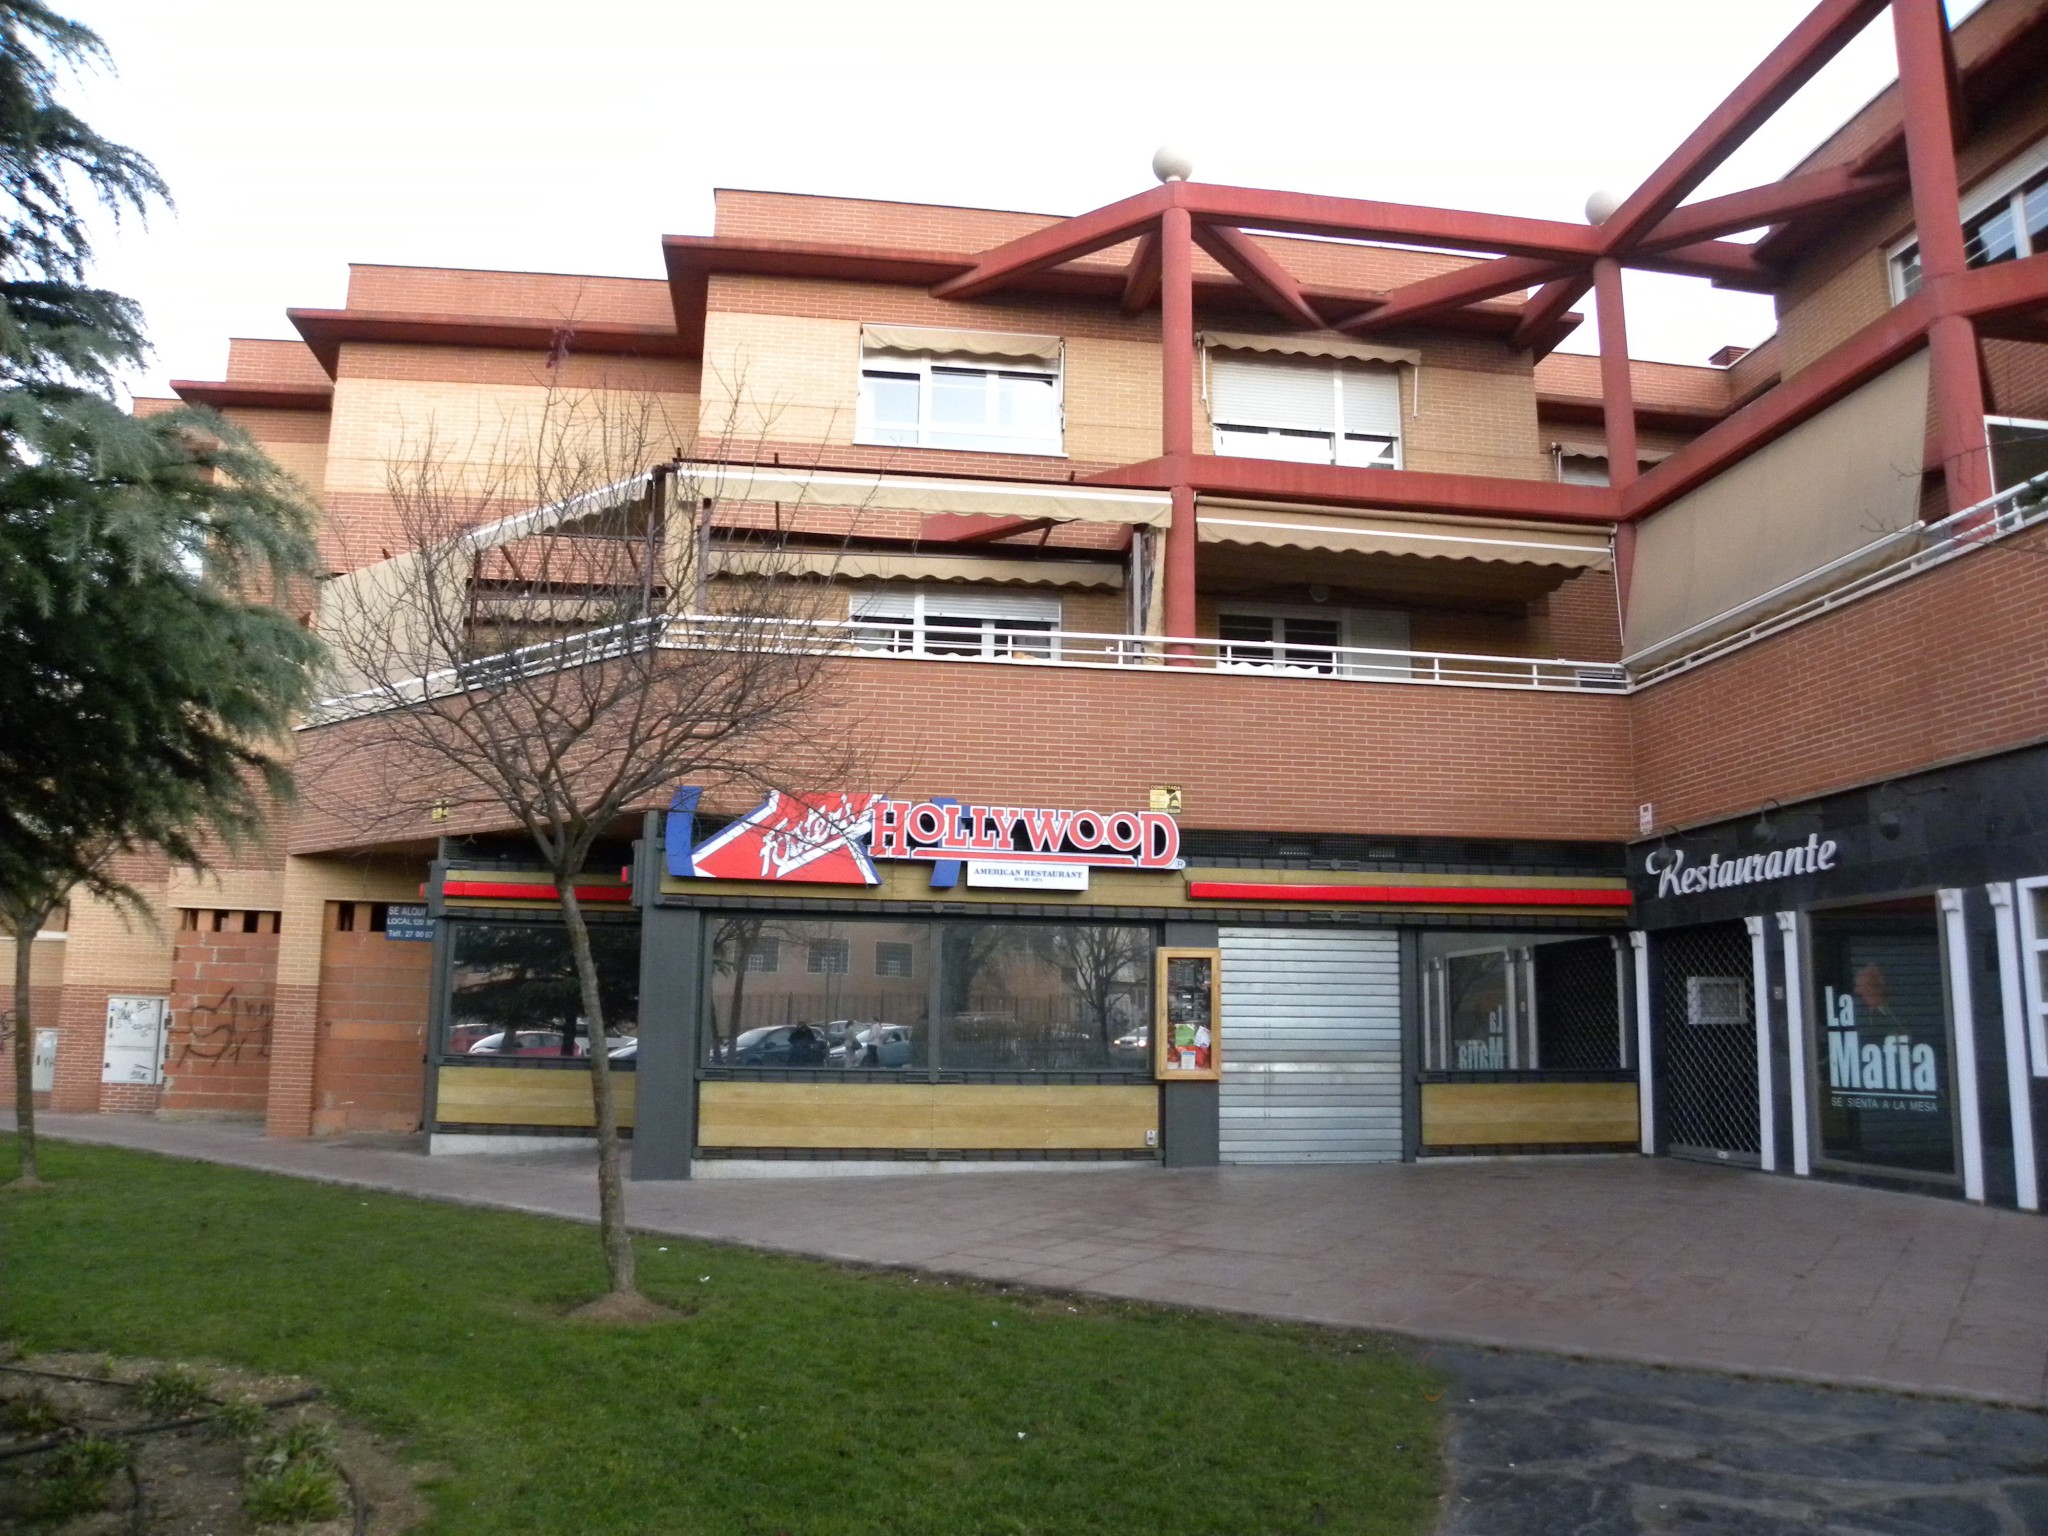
[876, 1045]
[526, 1042]
[779, 1045]
[1133, 1049]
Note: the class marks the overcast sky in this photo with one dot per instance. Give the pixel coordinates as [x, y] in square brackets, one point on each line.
[299, 137]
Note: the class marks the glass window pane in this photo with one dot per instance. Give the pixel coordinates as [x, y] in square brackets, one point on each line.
[1990, 237]
[955, 635]
[1908, 264]
[1476, 1011]
[1271, 443]
[1881, 1037]
[1362, 452]
[1024, 405]
[959, 398]
[514, 990]
[858, 1001]
[2034, 208]
[1038, 997]
[891, 399]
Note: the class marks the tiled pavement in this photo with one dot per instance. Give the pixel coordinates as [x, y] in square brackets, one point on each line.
[1643, 1260]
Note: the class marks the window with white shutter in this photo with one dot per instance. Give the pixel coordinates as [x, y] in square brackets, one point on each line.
[1306, 410]
[1312, 640]
[968, 402]
[942, 621]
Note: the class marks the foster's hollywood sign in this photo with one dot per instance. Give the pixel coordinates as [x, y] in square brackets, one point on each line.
[834, 839]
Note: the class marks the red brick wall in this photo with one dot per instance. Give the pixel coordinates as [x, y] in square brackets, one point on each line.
[1944, 666]
[367, 1068]
[1249, 752]
[223, 989]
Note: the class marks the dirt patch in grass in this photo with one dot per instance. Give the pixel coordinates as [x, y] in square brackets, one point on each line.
[92, 1446]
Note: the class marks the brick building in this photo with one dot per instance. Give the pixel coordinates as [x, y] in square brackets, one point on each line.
[1504, 750]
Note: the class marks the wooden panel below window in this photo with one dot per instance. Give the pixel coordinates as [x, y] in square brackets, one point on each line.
[924, 1116]
[524, 1096]
[1527, 1114]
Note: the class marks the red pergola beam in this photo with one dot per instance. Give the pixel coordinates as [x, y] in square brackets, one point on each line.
[1542, 314]
[1271, 283]
[1141, 278]
[1816, 192]
[1345, 218]
[1388, 489]
[1082, 235]
[1432, 296]
[1806, 50]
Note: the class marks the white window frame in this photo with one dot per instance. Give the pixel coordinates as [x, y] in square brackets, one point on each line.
[1344, 664]
[1335, 437]
[2006, 185]
[2033, 945]
[817, 949]
[922, 364]
[910, 611]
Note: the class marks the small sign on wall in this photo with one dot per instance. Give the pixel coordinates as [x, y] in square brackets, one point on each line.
[135, 1040]
[408, 924]
[1005, 875]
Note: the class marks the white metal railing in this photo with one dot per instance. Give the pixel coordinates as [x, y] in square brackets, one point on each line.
[1002, 642]
[1891, 558]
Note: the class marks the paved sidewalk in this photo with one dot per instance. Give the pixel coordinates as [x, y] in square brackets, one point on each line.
[1643, 1260]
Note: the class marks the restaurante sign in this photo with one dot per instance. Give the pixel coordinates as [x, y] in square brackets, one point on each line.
[1676, 876]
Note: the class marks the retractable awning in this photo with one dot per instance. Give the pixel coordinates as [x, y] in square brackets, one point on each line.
[1270, 526]
[1340, 347]
[925, 496]
[876, 565]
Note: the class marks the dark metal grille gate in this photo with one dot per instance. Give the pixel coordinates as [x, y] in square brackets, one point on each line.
[1706, 1004]
[1578, 1026]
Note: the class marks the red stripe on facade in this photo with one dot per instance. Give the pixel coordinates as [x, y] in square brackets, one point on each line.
[505, 890]
[1447, 895]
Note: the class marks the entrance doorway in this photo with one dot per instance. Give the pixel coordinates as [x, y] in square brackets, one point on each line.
[1706, 1005]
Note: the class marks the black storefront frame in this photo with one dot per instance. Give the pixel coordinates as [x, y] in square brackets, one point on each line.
[1975, 828]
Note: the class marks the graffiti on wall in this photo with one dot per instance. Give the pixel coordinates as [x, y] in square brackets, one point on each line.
[225, 1029]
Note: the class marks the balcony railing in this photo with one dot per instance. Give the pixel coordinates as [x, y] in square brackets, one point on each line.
[998, 643]
[1889, 559]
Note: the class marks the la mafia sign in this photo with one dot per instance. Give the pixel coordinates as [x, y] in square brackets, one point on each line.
[835, 839]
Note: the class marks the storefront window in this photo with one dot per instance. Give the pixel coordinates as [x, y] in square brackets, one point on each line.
[1009, 996]
[860, 1001]
[1046, 997]
[1886, 1091]
[1520, 1003]
[514, 991]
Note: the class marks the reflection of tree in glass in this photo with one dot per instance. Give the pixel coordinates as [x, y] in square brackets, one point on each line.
[733, 941]
[511, 977]
[1103, 970]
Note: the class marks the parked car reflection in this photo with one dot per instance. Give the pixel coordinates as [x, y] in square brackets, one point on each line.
[876, 1045]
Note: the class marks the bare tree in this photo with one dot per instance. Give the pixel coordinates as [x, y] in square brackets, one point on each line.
[563, 635]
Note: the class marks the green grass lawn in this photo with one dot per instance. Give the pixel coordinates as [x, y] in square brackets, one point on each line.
[793, 1397]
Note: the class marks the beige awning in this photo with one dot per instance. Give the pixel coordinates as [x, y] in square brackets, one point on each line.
[1313, 346]
[872, 565]
[1582, 449]
[907, 493]
[1381, 533]
[918, 338]
[1743, 544]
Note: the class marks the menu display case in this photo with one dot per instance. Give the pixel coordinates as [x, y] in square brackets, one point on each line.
[1186, 1037]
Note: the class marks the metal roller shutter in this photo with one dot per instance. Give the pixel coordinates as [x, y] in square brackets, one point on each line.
[1312, 1046]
